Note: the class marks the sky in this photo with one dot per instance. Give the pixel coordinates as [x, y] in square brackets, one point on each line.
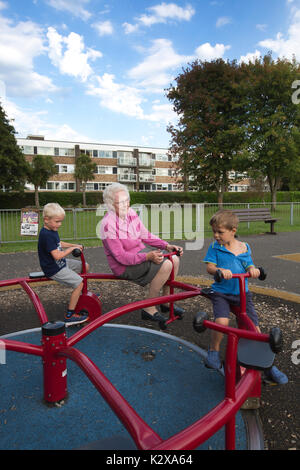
[98, 70]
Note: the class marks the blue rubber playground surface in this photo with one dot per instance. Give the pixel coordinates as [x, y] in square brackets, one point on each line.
[163, 378]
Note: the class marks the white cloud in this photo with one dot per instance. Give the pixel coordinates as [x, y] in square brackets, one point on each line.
[75, 7]
[103, 28]
[250, 57]
[127, 100]
[162, 113]
[20, 45]
[117, 97]
[289, 44]
[222, 21]
[155, 71]
[161, 13]
[261, 27]
[28, 121]
[70, 55]
[207, 52]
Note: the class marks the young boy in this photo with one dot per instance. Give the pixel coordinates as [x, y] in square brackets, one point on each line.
[53, 262]
[230, 255]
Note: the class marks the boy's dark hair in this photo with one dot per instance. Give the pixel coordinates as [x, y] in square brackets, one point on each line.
[225, 218]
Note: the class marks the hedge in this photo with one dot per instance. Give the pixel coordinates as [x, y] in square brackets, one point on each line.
[72, 199]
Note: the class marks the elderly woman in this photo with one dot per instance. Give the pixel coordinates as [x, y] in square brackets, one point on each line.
[124, 238]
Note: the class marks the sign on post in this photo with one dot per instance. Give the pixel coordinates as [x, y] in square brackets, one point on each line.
[29, 222]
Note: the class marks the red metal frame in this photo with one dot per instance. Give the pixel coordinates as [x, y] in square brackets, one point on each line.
[240, 383]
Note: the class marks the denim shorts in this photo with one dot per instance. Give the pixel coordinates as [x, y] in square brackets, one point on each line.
[68, 275]
[221, 305]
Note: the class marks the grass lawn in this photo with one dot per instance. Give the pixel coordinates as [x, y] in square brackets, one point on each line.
[81, 226]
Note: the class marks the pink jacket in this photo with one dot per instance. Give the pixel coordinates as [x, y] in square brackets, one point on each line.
[124, 239]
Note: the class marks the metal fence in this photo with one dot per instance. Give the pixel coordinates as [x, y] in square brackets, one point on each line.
[82, 223]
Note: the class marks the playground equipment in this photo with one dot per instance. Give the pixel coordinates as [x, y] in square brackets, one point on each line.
[242, 363]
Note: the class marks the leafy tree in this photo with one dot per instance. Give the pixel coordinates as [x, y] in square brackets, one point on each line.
[40, 170]
[12, 161]
[84, 171]
[273, 120]
[210, 137]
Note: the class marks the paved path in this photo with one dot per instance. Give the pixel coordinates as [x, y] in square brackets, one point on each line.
[282, 274]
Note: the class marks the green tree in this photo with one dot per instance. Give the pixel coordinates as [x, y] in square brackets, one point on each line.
[40, 170]
[210, 137]
[273, 120]
[12, 161]
[84, 171]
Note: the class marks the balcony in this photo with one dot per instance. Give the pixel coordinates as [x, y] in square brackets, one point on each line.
[146, 178]
[129, 177]
[127, 161]
[145, 162]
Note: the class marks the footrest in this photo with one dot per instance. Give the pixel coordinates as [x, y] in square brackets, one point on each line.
[36, 275]
[255, 354]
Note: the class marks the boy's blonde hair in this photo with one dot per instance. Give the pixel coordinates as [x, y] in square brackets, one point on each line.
[52, 209]
[225, 218]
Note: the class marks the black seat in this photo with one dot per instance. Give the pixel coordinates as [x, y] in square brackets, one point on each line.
[255, 354]
[36, 275]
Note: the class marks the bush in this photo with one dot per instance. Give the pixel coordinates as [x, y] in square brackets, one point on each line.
[15, 200]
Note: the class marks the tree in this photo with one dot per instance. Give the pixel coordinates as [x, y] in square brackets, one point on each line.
[210, 136]
[273, 120]
[40, 170]
[84, 171]
[12, 161]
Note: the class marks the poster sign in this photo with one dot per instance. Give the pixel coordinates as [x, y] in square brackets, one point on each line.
[29, 222]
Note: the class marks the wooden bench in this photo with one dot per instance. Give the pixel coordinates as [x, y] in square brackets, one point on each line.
[252, 215]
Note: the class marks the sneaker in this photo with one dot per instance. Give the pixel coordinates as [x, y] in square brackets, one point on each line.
[275, 376]
[213, 360]
[75, 319]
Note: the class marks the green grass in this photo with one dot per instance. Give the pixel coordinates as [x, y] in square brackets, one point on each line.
[80, 227]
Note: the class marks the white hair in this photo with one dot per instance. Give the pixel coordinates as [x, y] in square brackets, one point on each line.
[52, 209]
[110, 192]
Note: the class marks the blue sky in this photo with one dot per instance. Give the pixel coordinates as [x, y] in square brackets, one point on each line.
[96, 71]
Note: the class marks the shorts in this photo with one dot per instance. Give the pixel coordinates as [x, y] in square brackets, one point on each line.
[143, 273]
[221, 305]
[68, 275]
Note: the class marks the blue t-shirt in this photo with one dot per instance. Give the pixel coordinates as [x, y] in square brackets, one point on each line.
[223, 258]
[48, 241]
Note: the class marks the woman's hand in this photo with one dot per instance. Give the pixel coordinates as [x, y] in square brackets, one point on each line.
[175, 248]
[156, 256]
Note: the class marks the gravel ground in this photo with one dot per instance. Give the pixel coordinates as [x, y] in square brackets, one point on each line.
[279, 411]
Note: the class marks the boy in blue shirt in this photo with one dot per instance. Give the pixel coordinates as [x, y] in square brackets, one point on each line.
[53, 262]
[230, 255]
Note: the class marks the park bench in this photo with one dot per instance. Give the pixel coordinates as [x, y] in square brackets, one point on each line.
[252, 215]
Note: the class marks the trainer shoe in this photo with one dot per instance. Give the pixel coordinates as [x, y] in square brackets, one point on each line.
[213, 360]
[275, 376]
[72, 318]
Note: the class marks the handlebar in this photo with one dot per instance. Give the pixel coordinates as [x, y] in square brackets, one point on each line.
[77, 252]
[218, 276]
[177, 253]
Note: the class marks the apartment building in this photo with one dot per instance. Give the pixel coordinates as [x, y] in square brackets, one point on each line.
[139, 168]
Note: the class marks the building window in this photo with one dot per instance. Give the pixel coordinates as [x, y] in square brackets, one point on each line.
[105, 153]
[161, 157]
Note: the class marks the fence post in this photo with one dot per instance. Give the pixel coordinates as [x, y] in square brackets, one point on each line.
[74, 224]
[291, 215]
